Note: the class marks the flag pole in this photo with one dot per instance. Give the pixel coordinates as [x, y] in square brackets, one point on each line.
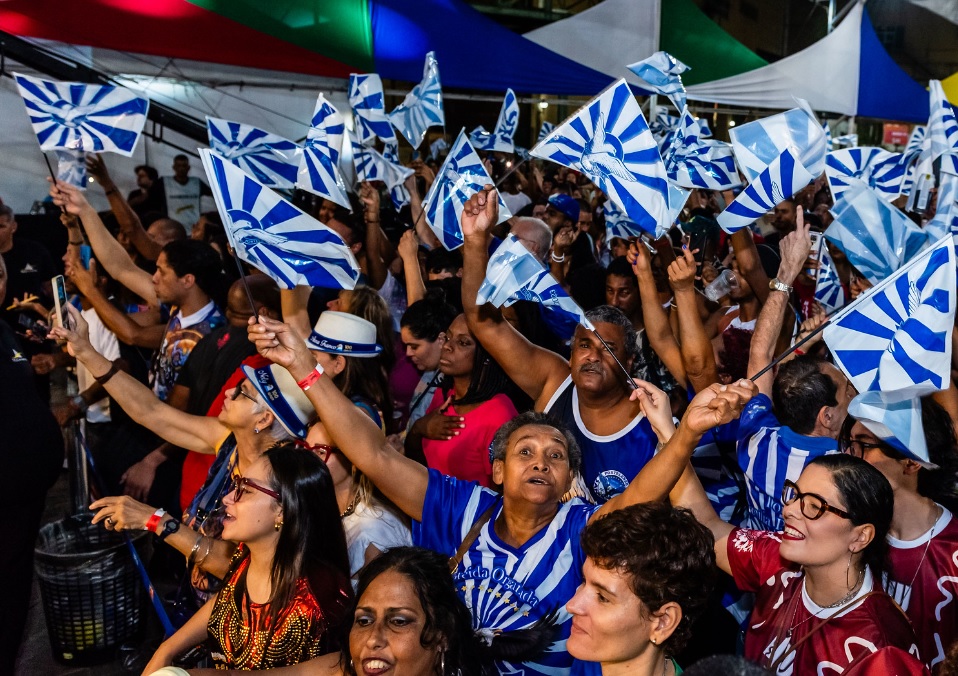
[775, 362]
[53, 177]
[628, 376]
[249, 293]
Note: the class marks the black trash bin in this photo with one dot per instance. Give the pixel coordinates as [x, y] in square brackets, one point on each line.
[93, 598]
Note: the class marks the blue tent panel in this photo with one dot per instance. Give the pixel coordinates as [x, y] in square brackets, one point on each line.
[884, 89]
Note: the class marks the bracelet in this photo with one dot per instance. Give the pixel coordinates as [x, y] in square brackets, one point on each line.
[196, 548]
[80, 243]
[209, 548]
[557, 259]
[105, 378]
[154, 520]
[311, 379]
[799, 351]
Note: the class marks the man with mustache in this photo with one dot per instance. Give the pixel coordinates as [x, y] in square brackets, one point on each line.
[589, 392]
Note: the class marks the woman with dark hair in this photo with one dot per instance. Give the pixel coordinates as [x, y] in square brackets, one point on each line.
[647, 576]
[423, 332]
[923, 536]
[287, 588]
[465, 412]
[818, 598]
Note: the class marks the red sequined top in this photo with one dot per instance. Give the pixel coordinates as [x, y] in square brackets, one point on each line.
[244, 636]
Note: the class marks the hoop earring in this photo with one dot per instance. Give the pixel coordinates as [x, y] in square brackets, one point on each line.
[847, 569]
[442, 662]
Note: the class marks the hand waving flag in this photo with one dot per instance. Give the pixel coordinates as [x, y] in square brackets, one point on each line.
[460, 177]
[897, 335]
[366, 100]
[271, 159]
[662, 73]
[502, 137]
[272, 235]
[422, 107]
[782, 179]
[319, 164]
[83, 117]
[758, 143]
[609, 141]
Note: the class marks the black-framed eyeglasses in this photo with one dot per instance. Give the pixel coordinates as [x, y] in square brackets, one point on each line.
[813, 506]
[857, 447]
[241, 485]
[238, 391]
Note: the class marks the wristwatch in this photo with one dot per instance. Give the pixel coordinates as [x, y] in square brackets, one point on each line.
[169, 528]
[775, 285]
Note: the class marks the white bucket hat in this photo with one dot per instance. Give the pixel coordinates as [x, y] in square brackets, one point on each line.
[345, 334]
[282, 395]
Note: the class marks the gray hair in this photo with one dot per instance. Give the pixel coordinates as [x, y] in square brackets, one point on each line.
[501, 440]
[613, 315]
[275, 431]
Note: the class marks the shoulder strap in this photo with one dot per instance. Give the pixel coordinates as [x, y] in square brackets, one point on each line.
[471, 536]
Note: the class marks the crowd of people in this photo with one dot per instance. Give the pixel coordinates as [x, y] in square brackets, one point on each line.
[396, 479]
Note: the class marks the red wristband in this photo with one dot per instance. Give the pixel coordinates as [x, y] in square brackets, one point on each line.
[154, 520]
[311, 379]
[799, 351]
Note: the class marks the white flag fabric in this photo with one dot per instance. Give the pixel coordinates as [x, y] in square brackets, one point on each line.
[461, 176]
[758, 143]
[782, 179]
[545, 130]
[369, 113]
[272, 235]
[270, 159]
[876, 237]
[662, 73]
[895, 418]
[845, 141]
[502, 138]
[609, 141]
[946, 209]
[71, 167]
[83, 117]
[942, 125]
[829, 291]
[319, 159]
[617, 223]
[371, 165]
[397, 193]
[422, 107]
[897, 335]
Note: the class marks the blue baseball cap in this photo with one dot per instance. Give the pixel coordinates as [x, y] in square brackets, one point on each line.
[565, 205]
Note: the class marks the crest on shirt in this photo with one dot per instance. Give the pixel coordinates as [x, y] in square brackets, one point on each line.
[608, 484]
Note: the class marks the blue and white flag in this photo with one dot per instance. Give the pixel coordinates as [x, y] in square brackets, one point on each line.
[440, 145]
[71, 167]
[502, 138]
[828, 135]
[876, 237]
[83, 117]
[319, 163]
[371, 165]
[782, 179]
[895, 418]
[545, 130]
[617, 223]
[272, 235]
[369, 112]
[678, 196]
[515, 274]
[422, 107]
[845, 141]
[461, 176]
[897, 335]
[663, 127]
[662, 73]
[915, 143]
[609, 141]
[694, 162]
[942, 125]
[946, 209]
[880, 169]
[828, 287]
[398, 193]
[758, 143]
[270, 159]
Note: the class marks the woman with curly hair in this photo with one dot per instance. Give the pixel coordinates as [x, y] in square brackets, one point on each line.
[648, 573]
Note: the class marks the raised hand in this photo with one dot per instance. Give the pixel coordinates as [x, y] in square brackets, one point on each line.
[794, 248]
[77, 338]
[682, 271]
[370, 198]
[69, 197]
[409, 245]
[656, 406]
[97, 169]
[279, 343]
[639, 258]
[718, 405]
[480, 212]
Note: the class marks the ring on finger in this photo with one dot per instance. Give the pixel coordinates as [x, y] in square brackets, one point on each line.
[109, 520]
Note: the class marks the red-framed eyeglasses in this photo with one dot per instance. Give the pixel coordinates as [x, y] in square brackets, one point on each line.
[241, 485]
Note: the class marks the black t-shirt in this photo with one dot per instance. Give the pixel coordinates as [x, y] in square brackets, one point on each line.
[29, 269]
[31, 446]
[155, 202]
[211, 363]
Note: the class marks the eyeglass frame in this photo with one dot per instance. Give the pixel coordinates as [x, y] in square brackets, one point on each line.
[848, 445]
[314, 448]
[801, 503]
[238, 391]
[241, 482]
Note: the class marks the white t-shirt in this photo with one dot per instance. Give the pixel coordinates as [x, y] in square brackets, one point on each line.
[372, 525]
[515, 202]
[184, 203]
[104, 342]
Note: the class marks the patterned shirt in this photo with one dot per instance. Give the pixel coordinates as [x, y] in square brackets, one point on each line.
[507, 588]
[182, 335]
[868, 635]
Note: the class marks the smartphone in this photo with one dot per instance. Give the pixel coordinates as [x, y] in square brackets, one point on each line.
[814, 252]
[61, 315]
[86, 253]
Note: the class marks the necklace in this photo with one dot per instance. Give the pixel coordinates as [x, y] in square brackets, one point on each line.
[851, 594]
[931, 536]
[351, 507]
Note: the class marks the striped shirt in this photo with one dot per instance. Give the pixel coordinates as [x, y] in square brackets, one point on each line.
[770, 453]
[508, 588]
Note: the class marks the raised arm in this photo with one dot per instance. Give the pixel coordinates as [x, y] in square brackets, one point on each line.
[293, 303]
[716, 405]
[129, 222]
[409, 254]
[658, 328]
[698, 357]
[375, 265]
[107, 250]
[402, 480]
[195, 432]
[426, 236]
[794, 247]
[537, 371]
[746, 255]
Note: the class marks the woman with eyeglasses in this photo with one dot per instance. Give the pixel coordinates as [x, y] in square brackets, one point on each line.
[922, 573]
[819, 604]
[287, 590]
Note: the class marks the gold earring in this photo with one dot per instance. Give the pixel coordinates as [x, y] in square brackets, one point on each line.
[278, 525]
